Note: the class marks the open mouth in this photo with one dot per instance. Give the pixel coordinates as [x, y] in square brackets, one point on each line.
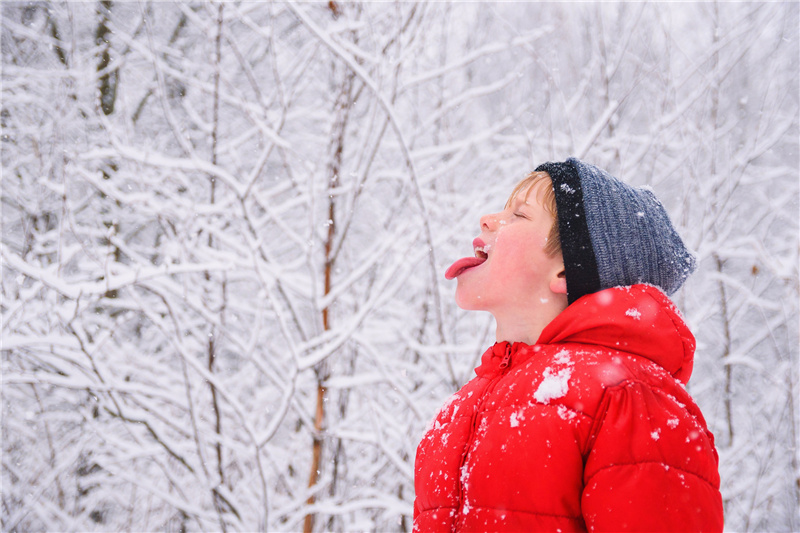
[465, 263]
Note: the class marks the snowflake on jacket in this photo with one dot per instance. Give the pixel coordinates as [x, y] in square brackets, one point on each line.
[589, 429]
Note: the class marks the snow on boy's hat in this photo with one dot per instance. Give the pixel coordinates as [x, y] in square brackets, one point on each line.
[613, 234]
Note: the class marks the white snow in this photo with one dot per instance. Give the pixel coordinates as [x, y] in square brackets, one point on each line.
[554, 385]
[562, 357]
[434, 422]
[565, 413]
[633, 313]
[244, 266]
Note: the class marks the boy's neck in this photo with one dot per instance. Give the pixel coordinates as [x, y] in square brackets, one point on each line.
[516, 326]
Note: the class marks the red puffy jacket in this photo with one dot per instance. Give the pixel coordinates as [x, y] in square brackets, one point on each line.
[590, 429]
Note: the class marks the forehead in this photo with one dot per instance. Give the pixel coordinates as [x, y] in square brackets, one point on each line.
[535, 185]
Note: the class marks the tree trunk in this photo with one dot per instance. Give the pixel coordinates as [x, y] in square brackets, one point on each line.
[342, 108]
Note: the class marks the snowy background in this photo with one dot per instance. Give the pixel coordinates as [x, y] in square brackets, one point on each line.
[225, 228]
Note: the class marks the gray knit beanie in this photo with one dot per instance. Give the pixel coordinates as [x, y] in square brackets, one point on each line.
[613, 234]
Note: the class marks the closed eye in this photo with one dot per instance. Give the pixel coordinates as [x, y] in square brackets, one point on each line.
[520, 215]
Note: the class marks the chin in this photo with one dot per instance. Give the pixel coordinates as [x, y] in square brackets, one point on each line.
[469, 302]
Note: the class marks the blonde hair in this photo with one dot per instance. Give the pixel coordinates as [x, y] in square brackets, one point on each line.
[544, 189]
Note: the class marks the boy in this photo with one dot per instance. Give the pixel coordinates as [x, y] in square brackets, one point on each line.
[578, 418]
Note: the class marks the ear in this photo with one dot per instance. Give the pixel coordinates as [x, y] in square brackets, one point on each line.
[558, 284]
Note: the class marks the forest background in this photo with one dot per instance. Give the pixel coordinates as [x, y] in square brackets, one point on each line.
[225, 227]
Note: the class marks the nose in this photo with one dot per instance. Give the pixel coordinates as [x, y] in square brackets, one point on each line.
[489, 222]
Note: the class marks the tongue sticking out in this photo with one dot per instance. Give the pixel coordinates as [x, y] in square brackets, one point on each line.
[461, 265]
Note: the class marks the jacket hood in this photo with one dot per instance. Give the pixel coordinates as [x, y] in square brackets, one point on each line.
[639, 319]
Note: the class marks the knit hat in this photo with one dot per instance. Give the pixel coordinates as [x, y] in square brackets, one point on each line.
[613, 234]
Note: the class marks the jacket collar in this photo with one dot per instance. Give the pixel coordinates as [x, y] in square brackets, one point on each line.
[639, 319]
[503, 355]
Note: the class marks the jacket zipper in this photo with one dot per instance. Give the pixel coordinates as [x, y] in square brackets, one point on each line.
[506, 360]
[504, 364]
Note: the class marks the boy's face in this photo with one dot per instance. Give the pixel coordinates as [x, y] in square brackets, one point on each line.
[517, 275]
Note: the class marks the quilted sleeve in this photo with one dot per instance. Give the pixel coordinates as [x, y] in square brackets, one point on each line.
[651, 464]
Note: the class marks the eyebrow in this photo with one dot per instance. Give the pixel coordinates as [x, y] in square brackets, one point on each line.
[521, 200]
[518, 198]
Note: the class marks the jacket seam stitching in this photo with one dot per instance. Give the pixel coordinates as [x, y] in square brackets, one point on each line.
[551, 405]
[698, 476]
[653, 387]
[571, 517]
[602, 408]
[437, 507]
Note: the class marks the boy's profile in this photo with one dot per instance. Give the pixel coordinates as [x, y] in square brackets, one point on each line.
[578, 418]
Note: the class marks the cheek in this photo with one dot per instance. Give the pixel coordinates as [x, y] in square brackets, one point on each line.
[514, 256]
[521, 263]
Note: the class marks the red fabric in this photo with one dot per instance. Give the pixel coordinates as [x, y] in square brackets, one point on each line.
[589, 429]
